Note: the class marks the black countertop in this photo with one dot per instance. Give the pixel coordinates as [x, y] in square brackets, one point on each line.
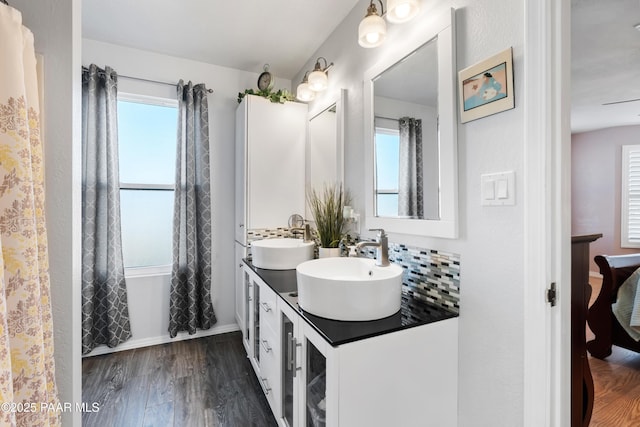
[413, 312]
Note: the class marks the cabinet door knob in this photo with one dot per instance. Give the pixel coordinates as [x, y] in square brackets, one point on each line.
[266, 346]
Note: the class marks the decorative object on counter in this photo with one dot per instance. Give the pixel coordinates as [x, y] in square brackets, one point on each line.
[373, 29]
[486, 88]
[327, 208]
[314, 81]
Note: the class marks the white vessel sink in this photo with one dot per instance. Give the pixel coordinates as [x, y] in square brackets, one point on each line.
[280, 254]
[349, 288]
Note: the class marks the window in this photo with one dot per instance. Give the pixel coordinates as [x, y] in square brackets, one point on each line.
[147, 129]
[387, 170]
[630, 224]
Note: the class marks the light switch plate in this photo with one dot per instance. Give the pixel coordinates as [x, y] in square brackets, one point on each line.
[498, 189]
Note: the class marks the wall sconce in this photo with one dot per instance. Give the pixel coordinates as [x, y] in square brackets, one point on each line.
[373, 29]
[318, 79]
[304, 92]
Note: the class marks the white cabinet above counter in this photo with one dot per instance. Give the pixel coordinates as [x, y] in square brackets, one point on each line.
[401, 370]
[270, 163]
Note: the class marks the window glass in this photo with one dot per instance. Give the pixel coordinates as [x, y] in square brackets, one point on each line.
[387, 159]
[147, 155]
[146, 218]
[147, 142]
[387, 171]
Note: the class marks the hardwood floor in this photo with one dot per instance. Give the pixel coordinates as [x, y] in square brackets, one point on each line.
[617, 384]
[200, 382]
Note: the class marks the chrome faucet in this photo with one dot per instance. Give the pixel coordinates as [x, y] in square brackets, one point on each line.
[306, 230]
[382, 247]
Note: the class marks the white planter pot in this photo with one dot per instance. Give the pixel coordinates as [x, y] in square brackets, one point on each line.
[328, 252]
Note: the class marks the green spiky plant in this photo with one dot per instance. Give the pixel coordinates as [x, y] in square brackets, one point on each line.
[327, 207]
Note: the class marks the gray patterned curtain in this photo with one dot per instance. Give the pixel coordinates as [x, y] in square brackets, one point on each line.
[190, 305]
[105, 314]
[410, 193]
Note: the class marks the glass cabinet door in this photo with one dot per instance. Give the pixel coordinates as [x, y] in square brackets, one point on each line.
[247, 309]
[256, 322]
[316, 386]
[288, 368]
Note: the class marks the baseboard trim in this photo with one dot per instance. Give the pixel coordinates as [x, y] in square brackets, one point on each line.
[595, 274]
[146, 342]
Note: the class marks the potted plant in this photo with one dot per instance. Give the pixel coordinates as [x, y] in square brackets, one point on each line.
[327, 208]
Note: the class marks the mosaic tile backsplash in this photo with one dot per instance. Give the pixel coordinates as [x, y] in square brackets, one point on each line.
[430, 275]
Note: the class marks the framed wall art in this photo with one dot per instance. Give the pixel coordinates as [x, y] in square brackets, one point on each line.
[486, 88]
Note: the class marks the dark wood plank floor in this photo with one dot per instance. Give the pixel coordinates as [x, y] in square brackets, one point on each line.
[199, 382]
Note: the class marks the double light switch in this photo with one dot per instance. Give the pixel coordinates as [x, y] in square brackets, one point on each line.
[498, 189]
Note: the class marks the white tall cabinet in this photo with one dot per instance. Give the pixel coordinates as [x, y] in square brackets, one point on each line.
[270, 173]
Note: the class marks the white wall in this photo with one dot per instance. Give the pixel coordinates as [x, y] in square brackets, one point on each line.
[56, 27]
[491, 241]
[148, 296]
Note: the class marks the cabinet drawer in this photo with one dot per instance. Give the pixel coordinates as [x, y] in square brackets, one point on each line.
[268, 305]
[269, 358]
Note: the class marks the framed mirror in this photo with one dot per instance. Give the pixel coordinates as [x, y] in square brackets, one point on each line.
[324, 162]
[410, 136]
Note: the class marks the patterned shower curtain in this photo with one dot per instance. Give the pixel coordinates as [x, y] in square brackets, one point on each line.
[27, 373]
[190, 305]
[410, 186]
[105, 313]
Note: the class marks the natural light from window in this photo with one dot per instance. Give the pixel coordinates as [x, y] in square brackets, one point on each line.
[387, 171]
[147, 153]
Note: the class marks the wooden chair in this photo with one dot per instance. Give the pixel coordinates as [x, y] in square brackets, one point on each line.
[603, 323]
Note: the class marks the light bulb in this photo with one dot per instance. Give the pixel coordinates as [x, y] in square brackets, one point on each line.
[372, 38]
[402, 10]
[372, 31]
[304, 93]
[318, 80]
[399, 11]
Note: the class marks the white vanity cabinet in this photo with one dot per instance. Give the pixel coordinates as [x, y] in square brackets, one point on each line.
[270, 163]
[407, 377]
[403, 378]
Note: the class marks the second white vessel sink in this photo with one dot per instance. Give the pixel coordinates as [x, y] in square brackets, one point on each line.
[281, 253]
[351, 289]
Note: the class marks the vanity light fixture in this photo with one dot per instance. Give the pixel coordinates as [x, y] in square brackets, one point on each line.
[318, 79]
[372, 29]
[399, 11]
[304, 92]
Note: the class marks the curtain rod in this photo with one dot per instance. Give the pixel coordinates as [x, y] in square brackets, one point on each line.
[386, 118]
[145, 80]
[153, 81]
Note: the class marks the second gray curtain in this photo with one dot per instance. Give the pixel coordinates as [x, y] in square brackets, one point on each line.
[410, 186]
[105, 314]
[190, 305]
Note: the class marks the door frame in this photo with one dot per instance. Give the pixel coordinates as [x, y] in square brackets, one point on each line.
[547, 254]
